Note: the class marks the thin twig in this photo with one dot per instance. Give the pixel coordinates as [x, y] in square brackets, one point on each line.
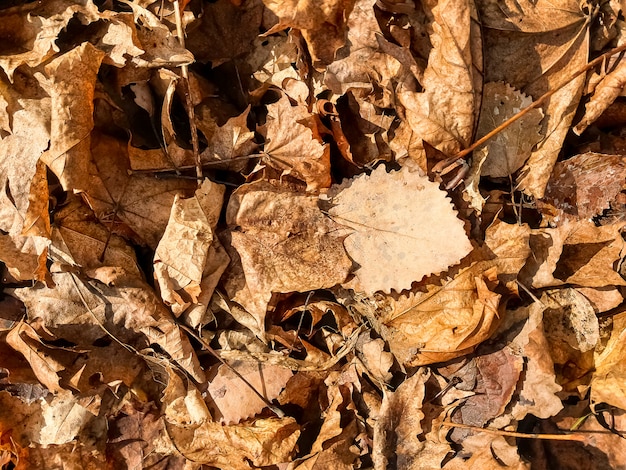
[535, 104]
[217, 356]
[498, 432]
[187, 90]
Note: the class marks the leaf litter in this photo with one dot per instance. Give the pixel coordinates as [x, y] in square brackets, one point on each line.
[266, 246]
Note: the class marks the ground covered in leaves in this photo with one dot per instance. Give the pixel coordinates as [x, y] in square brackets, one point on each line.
[256, 234]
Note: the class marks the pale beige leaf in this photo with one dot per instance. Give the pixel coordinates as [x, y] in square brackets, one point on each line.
[404, 226]
[507, 151]
[232, 401]
[63, 420]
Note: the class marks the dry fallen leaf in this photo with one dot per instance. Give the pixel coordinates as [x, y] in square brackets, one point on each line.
[404, 228]
[285, 242]
[508, 151]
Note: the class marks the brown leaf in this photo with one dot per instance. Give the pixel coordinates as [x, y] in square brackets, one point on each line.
[232, 401]
[294, 145]
[398, 220]
[39, 26]
[79, 240]
[285, 242]
[607, 382]
[508, 151]
[574, 253]
[584, 185]
[398, 427]
[445, 113]
[440, 322]
[70, 82]
[132, 313]
[322, 24]
[536, 57]
[140, 202]
[605, 93]
[184, 252]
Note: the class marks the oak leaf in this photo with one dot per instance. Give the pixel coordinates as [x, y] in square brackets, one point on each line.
[404, 228]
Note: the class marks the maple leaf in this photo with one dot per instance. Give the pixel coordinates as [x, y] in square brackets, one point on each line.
[396, 247]
[294, 144]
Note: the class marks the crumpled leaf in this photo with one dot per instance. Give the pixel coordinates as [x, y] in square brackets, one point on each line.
[584, 185]
[294, 145]
[605, 93]
[607, 382]
[506, 152]
[575, 252]
[285, 242]
[189, 247]
[440, 322]
[404, 229]
[399, 424]
[131, 312]
[39, 26]
[322, 24]
[70, 80]
[445, 113]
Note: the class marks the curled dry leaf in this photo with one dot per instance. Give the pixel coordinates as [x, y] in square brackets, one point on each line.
[605, 93]
[441, 322]
[132, 313]
[294, 143]
[404, 228]
[189, 247]
[445, 113]
[575, 252]
[322, 24]
[609, 376]
[399, 424]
